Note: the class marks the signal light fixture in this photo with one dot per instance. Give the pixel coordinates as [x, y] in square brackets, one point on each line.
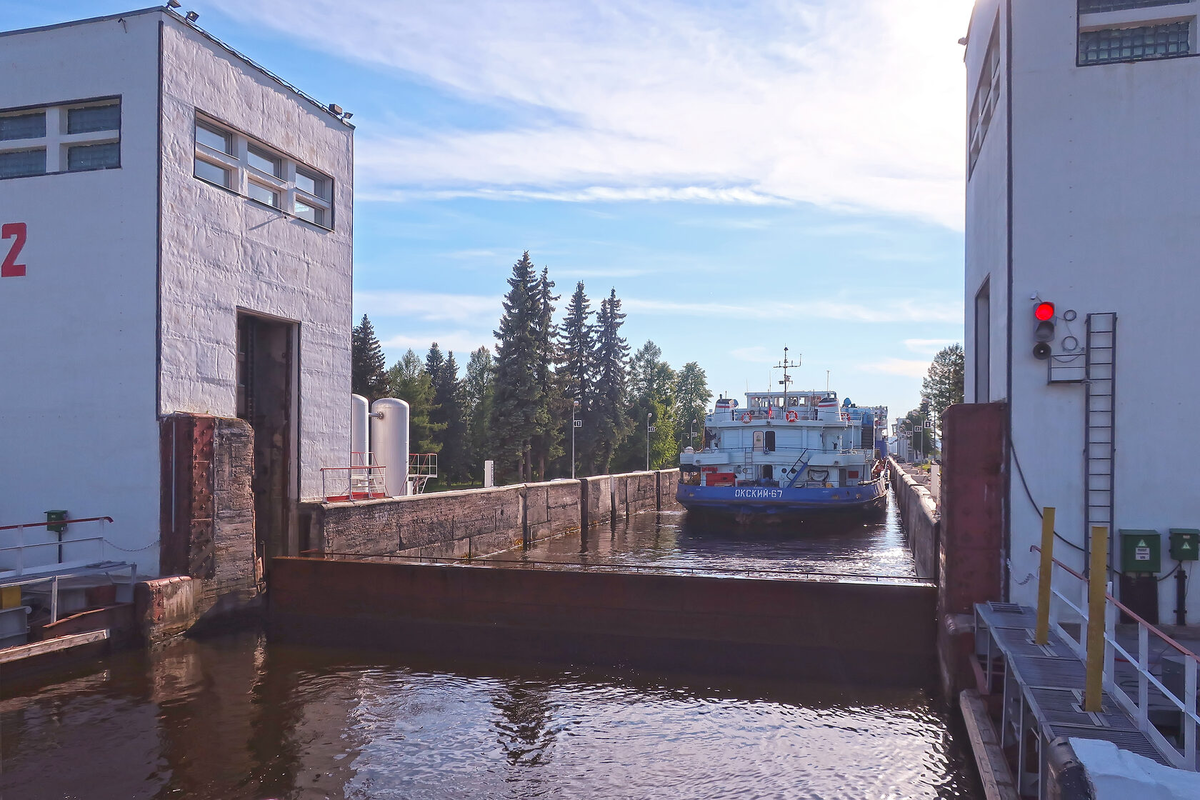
[1043, 312]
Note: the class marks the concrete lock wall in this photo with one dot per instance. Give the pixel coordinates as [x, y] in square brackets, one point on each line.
[922, 525]
[843, 632]
[476, 522]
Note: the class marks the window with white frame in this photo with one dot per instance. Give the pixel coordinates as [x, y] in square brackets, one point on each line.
[67, 137]
[987, 94]
[251, 168]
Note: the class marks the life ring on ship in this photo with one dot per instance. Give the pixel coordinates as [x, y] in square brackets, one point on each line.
[792, 416]
[746, 417]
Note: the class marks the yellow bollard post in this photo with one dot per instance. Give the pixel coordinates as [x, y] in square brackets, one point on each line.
[1042, 635]
[1097, 584]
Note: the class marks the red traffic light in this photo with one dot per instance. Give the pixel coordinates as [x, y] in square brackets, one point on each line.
[1044, 311]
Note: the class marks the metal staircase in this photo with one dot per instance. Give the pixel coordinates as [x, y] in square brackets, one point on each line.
[1099, 449]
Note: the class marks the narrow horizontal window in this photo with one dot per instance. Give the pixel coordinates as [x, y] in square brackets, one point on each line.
[1134, 44]
[23, 126]
[94, 118]
[315, 215]
[262, 194]
[19, 163]
[1100, 6]
[311, 184]
[220, 141]
[212, 173]
[264, 162]
[93, 156]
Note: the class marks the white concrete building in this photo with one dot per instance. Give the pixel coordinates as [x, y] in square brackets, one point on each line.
[177, 238]
[1082, 129]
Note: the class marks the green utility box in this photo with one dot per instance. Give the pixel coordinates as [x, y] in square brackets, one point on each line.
[1141, 551]
[58, 516]
[1185, 544]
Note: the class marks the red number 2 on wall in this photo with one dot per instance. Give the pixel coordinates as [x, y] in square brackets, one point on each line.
[10, 268]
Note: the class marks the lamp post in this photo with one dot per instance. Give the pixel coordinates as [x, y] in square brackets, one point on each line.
[692, 434]
[574, 424]
[649, 430]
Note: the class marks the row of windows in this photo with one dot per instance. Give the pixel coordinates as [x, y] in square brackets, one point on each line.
[1100, 6]
[249, 167]
[987, 94]
[1169, 40]
[67, 138]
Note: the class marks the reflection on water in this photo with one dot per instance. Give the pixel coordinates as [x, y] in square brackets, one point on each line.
[239, 718]
[835, 544]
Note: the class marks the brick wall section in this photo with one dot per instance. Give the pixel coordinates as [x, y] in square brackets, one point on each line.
[922, 525]
[237, 572]
[165, 607]
[596, 500]
[551, 509]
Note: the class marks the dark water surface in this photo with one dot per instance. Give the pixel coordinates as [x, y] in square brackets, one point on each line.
[238, 717]
[671, 540]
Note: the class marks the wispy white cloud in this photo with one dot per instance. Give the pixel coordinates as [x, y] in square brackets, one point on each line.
[428, 306]
[898, 366]
[930, 346]
[886, 311]
[461, 342]
[854, 104]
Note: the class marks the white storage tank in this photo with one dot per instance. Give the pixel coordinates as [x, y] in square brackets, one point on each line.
[389, 437]
[360, 430]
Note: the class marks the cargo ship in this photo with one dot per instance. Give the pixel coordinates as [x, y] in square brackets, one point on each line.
[787, 453]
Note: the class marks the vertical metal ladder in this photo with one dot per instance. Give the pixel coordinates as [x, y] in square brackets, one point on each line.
[1099, 444]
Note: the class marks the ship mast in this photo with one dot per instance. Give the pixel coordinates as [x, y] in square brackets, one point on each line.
[784, 365]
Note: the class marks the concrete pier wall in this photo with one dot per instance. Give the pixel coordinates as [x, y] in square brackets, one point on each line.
[919, 513]
[478, 522]
[843, 632]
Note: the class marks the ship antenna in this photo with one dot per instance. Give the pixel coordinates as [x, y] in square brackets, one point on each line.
[784, 365]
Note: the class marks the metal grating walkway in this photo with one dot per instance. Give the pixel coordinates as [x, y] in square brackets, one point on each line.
[1042, 694]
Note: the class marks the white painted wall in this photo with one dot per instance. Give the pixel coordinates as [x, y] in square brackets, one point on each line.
[78, 371]
[77, 360]
[1106, 218]
[223, 252]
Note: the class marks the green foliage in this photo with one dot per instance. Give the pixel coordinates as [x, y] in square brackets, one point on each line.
[479, 391]
[546, 445]
[923, 444]
[652, 385]
[368, 368]
[943, 385]
[692, 395]
[408, 381]
[609, 414]
[447, 413]
[517, 402]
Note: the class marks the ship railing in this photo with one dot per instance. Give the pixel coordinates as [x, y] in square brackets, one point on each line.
[1068, 616]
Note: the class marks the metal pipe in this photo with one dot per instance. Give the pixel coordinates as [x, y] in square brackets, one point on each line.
[1044, 575]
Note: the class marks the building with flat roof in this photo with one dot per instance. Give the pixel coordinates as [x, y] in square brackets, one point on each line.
[176, 295]
[1082, 228]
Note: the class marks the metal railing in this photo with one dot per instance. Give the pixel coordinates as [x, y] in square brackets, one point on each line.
[1182, 757]
[56, 581]
[361, 482]
[21, 546]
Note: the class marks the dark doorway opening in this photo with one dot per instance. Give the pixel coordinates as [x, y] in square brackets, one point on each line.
[770, 441]
[266, 399]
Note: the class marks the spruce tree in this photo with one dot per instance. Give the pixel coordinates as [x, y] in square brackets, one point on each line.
[409, 382]
[368, 369]
[479, 391]
[577, 350]
[516, 400]
[943, 385]
[609, 417]
[448, 394]
[547, 441]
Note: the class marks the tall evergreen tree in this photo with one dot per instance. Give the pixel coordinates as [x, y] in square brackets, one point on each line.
[943, 385]
[577, 351]
[447, 413]
[368, 369]
[609, 416]
[479, 390]
[692, 396]
[516, 402]
[547, 442]
[409, 382]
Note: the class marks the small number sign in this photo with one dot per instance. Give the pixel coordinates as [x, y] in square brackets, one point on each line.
[15, 231]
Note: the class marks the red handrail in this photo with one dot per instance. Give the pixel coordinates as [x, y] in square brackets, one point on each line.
[53, 522]
[1183, 650]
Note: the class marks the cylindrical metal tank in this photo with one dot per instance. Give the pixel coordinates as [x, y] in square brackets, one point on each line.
[389, 437]
[360, 430]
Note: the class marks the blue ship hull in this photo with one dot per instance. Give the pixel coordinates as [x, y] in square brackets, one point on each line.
[760, 501]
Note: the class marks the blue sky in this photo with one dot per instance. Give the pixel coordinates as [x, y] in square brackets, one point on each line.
[745, 174]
